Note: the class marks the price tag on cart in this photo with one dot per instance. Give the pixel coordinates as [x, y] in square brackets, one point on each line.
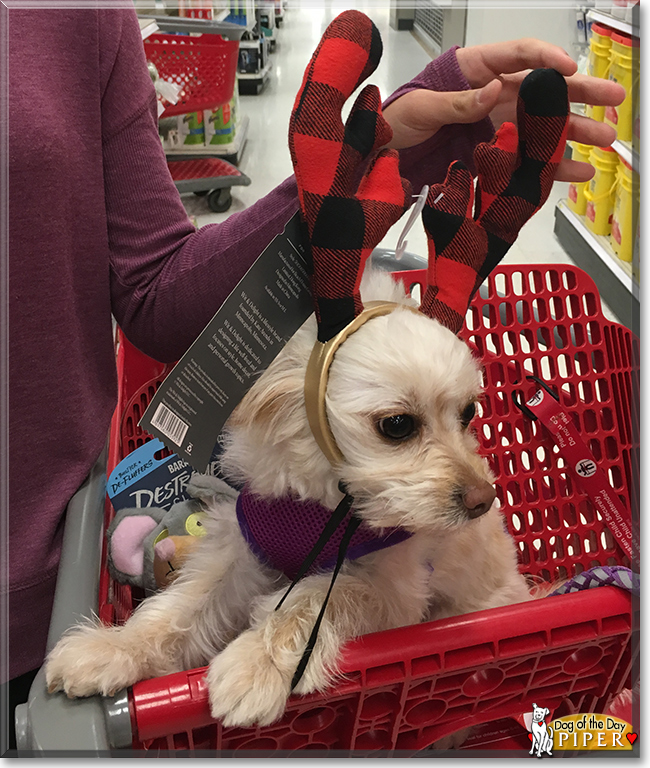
[263, 312]
[591, 478]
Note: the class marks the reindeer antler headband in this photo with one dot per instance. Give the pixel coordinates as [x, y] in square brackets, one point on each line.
[346, 218]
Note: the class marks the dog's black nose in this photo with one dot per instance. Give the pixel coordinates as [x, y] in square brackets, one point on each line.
[478, 499]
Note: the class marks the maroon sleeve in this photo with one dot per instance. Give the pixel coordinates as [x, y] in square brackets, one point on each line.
[167, 279]
[427, 163]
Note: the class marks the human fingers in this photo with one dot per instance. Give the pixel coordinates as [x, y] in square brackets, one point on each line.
[572, 170]
[418, 114]
[505, 110]
[587, 131]
[482, 63]
[584, 89]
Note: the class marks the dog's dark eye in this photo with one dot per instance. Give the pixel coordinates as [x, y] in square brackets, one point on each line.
[468, 414]
[397, 427]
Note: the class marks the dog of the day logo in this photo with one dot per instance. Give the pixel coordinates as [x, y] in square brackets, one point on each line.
[542, 735]
[590, 732]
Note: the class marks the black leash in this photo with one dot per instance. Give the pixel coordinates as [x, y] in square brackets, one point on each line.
[338, 515]
[306, 654]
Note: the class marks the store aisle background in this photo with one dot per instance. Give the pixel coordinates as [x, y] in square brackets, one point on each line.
[266, 158]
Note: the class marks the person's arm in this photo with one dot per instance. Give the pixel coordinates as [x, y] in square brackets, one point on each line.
[429, 115]
[426, 161]
[167, 280]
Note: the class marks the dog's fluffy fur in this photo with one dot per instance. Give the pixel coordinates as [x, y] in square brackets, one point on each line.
[221, 609]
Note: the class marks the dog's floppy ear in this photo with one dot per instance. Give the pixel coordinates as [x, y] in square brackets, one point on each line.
[273, 397]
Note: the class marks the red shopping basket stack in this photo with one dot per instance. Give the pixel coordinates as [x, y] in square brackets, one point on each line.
[204, 65]
[406, 688]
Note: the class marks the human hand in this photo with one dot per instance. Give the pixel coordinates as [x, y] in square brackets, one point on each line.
[495, 72]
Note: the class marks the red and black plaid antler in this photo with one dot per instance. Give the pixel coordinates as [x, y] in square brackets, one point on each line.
[515, 176]
[345, 219]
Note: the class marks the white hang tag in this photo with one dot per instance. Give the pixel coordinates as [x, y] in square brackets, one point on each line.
[415, 214]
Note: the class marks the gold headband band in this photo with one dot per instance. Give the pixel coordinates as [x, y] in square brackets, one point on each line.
[317, 375]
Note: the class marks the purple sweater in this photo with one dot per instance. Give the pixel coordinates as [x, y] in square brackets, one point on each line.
[97, 227]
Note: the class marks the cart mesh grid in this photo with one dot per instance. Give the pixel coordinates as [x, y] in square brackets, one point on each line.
[405, 688]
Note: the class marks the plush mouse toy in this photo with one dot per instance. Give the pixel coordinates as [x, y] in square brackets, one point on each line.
[147, 546]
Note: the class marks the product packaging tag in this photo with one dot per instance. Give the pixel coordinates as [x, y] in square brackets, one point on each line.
[142, 480]
[591, 478]
[263, 312]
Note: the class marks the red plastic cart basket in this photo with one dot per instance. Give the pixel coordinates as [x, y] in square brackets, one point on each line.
[406, 688]
[204, 65]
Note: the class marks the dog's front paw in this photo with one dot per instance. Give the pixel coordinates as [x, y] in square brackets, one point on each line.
[245, 686]
[91, 660]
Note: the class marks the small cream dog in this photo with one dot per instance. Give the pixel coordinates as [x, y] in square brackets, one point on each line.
[401, 393]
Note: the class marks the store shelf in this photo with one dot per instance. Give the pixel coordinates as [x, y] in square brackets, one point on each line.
[627, 153]
[622, 270]
[231, 152]
[244, 15]
[612, 21]
[617, 282]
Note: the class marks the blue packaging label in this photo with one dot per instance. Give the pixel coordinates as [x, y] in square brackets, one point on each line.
[142, 480]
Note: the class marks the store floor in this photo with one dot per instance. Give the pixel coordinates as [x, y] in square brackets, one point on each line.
[265, 158]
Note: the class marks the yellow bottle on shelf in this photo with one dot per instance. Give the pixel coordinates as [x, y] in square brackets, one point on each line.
[625, 214]
[623, 70]
[600, 45]
[599, 192]
[577, 201]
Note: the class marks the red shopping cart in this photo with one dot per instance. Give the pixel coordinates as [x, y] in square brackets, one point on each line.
[204, 66]
[404, 689]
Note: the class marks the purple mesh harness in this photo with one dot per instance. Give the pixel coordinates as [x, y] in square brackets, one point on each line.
[281, 532]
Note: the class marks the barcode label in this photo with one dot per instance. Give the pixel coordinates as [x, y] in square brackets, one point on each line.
[169, 424]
